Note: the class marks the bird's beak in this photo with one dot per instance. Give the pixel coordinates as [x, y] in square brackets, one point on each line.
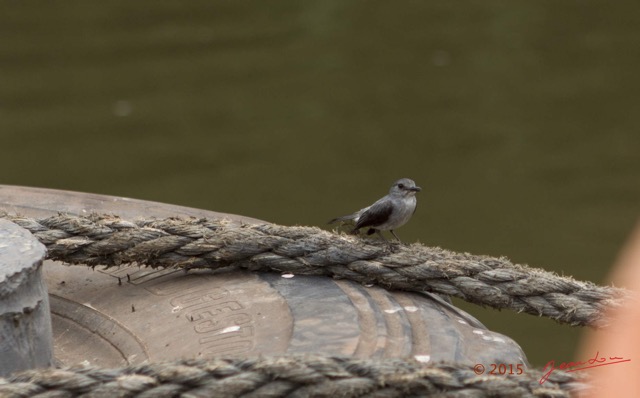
[415, 189]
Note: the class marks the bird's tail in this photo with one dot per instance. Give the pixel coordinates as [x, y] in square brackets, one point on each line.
[343, 218]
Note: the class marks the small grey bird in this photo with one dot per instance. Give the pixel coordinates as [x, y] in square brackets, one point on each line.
[388, 213]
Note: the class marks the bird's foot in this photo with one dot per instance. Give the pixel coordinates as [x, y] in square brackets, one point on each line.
[390, 247]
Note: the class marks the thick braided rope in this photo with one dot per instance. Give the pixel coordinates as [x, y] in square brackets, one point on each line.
[293, 376]
[202, 243]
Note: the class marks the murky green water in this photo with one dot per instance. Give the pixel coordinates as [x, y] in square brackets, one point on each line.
[519, 119]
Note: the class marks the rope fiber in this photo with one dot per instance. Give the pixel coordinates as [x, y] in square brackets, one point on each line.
[292, 376]
[202, 243]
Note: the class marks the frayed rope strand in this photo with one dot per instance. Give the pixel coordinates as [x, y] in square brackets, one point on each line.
[203, 243]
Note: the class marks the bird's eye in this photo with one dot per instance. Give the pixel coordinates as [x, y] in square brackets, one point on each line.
[401, 186]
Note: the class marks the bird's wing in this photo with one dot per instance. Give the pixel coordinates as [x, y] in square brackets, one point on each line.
[377, 214]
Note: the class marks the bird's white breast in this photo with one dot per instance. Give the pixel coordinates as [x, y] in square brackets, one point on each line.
[401, 213]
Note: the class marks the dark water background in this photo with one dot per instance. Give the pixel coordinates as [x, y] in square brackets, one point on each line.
[519, 119]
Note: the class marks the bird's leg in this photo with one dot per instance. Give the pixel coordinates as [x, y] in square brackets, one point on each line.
[394, 234]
